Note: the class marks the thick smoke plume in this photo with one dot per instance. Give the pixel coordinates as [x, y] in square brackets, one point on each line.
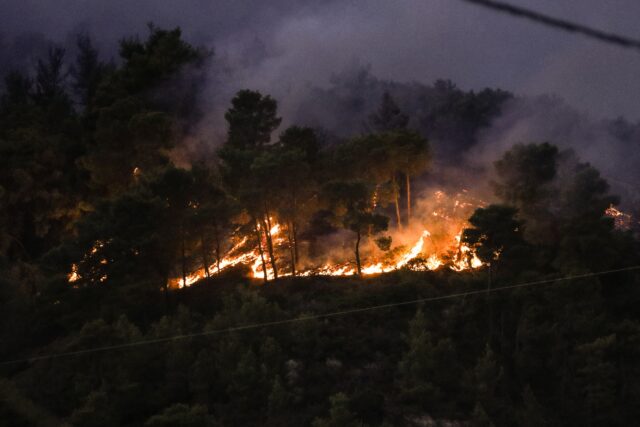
[329, 62]
[281, 46]
[611, 145]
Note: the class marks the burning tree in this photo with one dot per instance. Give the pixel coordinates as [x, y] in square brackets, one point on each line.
[252, 118]
[495, 234]
[350, 203]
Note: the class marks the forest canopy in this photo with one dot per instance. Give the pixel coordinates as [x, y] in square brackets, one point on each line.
[109, 236]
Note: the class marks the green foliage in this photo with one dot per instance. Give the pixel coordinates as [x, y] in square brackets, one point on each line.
[427, 372]
[452, 118]
[252, 118]
[525, 174]
[302, 139]
[182, 415]
[597, 375]
[133, 131]
[389, 117]
[532, 413]
[279, 398]
[92, 180]
[384, 243]
[488, 376]
[339, 414]
[95, 412]
[411, 151]
[162, 55]
[480, 417]
[497, 237]
[88, 71]
[560, 205]
[350, 204]
[418, 365]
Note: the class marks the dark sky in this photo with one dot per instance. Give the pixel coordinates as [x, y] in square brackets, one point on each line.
[302, 42]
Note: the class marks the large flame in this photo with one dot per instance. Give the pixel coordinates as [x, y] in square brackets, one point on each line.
[446, 250]
[448, 253]
[464, 259]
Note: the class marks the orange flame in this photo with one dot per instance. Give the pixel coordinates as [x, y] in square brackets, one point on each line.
[419, 256]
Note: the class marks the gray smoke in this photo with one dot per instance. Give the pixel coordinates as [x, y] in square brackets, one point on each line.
[612, 146]
[319, 59]
[284, 45]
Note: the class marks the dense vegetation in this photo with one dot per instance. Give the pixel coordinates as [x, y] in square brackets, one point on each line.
[88, 178]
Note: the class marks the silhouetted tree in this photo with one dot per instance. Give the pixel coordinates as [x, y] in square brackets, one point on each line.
[252, 118]
[351, 206]
[389, 117]
[88, 71]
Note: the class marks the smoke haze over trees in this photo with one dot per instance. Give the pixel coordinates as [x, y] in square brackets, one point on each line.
[216, 224]
[312, 57]
[284, 42]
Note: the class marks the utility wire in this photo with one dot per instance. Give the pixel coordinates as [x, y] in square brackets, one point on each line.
[558, 23]
[314, 317]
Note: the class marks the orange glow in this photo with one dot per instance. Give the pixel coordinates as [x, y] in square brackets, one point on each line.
[431, 251]
[426, 256]
[621, 219]
[428, 249]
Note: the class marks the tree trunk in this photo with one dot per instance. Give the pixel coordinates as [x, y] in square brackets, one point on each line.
[267, 231]
[165, 288]
[259, 236]
[489, 301]
[408, 198]
[292, 249]
[396, 197]
[295, 241]
[294, 216]
[184, 262]
[205, 261]
[217, 237]
[358, 266]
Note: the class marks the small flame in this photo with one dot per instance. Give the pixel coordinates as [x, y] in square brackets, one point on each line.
[621, 219]
[73, 276]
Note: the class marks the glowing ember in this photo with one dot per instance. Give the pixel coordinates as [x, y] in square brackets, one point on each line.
[73, 276]
[621, 220]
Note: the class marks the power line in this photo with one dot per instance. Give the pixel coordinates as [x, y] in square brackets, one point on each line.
[558, 23]
[314, 317]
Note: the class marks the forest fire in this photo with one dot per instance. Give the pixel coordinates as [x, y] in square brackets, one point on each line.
[433, 241]
[430, 242]
[449, 216]
[463, 259]
[427, 252]
[260, 229]
[74, 275]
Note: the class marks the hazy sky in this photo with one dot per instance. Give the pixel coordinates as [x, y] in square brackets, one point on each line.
[295, 42]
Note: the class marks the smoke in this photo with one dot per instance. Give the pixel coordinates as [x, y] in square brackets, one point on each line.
[328, 62]
[282, 46]
[610, 145]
